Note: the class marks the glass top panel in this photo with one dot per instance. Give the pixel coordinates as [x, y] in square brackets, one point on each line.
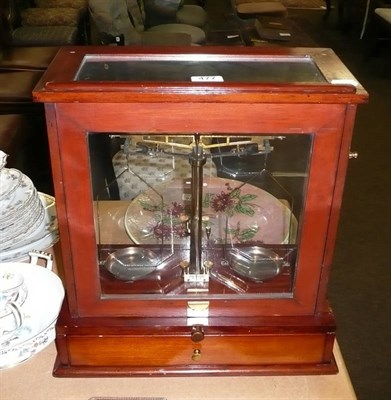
[200, 69]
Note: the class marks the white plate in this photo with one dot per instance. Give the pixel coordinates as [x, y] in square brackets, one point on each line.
[24, 226]
[45, 236]
[17, 201]
[40, 310]
[10, 179]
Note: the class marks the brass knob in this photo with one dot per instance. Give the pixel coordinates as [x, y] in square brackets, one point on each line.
[196, 356]
[353, 154]
[197, 333]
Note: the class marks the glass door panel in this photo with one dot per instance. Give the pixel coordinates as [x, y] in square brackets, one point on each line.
[198, 216]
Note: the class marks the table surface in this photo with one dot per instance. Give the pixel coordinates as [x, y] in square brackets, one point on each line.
[32, 380]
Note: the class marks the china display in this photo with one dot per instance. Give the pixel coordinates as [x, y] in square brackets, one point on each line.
[198, 192]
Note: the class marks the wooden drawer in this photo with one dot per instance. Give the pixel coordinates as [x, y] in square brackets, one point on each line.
[179, 351]
[142, 347]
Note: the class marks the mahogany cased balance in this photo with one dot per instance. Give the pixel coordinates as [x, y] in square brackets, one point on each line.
[198, 192]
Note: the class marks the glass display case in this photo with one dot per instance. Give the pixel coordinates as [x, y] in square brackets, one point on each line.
[198, 193]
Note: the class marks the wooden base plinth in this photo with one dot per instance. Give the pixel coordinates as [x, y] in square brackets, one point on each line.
[90, 347]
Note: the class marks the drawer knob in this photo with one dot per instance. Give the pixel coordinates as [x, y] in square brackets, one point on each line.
[196, 356]
[197, 333]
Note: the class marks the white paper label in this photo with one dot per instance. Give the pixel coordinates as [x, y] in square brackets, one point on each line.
[207, 78]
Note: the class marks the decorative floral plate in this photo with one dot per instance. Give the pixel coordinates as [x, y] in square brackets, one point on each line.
[10, 179]
[233, 212]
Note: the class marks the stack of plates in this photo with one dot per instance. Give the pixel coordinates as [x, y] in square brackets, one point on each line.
[27, 218]
[21, 210]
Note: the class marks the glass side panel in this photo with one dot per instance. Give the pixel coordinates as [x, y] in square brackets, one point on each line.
[198, 215]
[277, 69]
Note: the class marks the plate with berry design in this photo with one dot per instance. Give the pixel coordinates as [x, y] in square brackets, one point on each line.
[232, 212]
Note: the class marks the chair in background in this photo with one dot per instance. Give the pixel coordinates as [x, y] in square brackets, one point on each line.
[139, 17]
[82, 15]
[16, 34]
[173, 11]
[23, 58]
[192, 14]
[78, 4]
[124, 17]
[256, 8]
